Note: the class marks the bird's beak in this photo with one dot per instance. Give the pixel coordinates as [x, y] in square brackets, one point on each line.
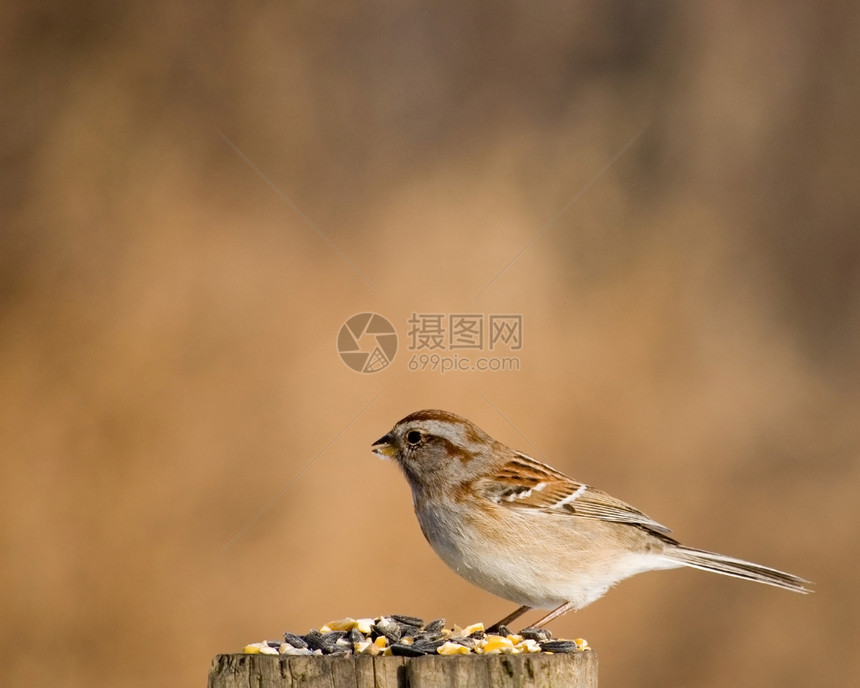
[384, 447]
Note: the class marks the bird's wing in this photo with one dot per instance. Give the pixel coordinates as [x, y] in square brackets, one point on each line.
[524, 483]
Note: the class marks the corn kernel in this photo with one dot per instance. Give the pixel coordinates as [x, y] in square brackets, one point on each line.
[346, 624]
[450, 648]
[497, 642]
[528, 646]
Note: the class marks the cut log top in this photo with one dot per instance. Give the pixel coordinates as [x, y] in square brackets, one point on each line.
[538, 670]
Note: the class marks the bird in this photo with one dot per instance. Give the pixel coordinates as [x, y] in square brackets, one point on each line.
[526, 532]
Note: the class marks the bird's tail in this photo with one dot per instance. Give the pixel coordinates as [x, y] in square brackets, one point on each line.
[729, 566]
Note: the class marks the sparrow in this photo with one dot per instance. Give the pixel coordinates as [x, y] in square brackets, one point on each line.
[526, 532]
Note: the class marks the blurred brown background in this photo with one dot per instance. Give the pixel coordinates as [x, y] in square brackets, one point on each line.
[168, 322]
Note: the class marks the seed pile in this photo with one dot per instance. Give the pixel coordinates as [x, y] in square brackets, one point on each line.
[409, 636]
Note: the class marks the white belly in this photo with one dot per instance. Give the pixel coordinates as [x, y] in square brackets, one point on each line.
[532, 568]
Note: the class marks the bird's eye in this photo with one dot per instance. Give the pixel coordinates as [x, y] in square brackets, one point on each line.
[413, 437]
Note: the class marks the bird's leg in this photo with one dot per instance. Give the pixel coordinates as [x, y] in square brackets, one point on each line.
[554, 614]
[509, 618]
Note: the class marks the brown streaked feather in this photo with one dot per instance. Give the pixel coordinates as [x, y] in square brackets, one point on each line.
[524, 483]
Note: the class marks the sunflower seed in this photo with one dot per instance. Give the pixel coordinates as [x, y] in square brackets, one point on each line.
[408, 620]
[558, 646]
[387, 627]
[539, 634]
[295, 641]
[429, 646]
[402, 650]
[435, 627]
[466, 641]
[318, 641]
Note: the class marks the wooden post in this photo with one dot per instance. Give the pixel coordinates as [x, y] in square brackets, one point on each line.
[537, 670]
